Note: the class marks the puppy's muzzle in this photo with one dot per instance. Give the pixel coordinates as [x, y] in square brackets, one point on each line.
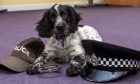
[61, 27]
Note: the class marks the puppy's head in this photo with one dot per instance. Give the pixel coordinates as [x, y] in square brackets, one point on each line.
[58, 21]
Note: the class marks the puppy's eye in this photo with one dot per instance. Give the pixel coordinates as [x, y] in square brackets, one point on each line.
[64, 15]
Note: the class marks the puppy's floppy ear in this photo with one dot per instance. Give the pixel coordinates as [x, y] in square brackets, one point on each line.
[44, 26]
[74, 18]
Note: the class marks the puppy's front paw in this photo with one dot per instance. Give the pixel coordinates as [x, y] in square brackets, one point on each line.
[73, 71]
[32, 70]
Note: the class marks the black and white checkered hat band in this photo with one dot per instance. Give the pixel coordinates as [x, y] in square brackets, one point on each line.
[114, 62]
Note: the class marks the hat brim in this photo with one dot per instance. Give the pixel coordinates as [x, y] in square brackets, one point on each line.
[101, 76]
[15, 64]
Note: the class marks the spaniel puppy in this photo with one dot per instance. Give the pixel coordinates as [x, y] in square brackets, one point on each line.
[60, 25]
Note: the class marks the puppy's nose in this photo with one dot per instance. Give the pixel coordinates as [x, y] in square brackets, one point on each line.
[60, 26]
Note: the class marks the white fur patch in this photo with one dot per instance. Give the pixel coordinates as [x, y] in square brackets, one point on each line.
[59, 18]
[89, 33]
[56, 8]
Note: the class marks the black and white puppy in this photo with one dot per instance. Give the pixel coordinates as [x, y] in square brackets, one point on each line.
[60, 25]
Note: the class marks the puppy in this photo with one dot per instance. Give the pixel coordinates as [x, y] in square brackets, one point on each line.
[60, 24]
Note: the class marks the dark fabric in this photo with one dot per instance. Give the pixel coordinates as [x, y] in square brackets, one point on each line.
[102, 49]
[107, 50]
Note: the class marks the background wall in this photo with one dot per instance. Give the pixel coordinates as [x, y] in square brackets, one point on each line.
[15, 5]
[21, 2]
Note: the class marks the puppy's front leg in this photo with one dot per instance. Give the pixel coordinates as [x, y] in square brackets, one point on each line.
[77, 62]
[41, 61]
